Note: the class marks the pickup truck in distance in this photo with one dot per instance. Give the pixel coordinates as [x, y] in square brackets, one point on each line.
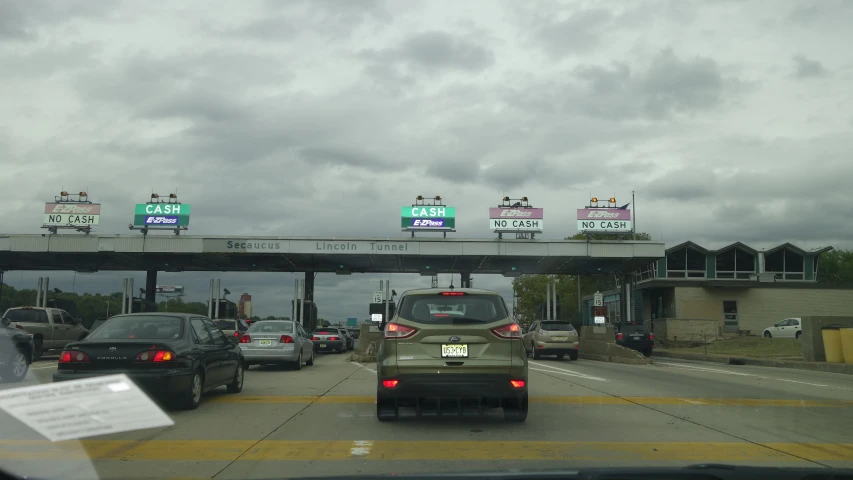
[51, 328]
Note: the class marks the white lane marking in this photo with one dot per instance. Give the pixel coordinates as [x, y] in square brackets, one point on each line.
[803, 383]
[362, 366]
[704, 369]
[42, 367]
[361, 447]
[360, 414]
[564, 371]
[727, 372]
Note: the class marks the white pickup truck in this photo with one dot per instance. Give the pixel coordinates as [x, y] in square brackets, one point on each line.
[51, 328]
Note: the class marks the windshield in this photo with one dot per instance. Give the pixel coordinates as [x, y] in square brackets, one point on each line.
[324, 170]
[268, 326]
[439, 309]
[139, 327]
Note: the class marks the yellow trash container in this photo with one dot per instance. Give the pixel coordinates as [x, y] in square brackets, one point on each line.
[847, 344]
[832, 343]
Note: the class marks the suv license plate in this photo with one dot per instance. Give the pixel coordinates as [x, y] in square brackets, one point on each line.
[560, 339]
[454, 351]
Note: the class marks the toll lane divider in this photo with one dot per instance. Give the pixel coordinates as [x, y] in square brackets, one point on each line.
[314, 450]
[556, 400]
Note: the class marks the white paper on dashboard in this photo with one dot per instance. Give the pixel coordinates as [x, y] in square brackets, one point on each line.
[84, 408]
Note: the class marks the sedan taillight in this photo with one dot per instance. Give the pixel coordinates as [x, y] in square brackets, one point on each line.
[155, 356]
[245, 339]
[285, 339]
[73, 357]
[511, 331]
[620, 336]
[334, 338]
[395, 331]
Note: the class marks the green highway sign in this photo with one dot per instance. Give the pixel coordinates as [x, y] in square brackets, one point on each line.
[162, 209]
[161, 215]
[428, 217]
[352, 322]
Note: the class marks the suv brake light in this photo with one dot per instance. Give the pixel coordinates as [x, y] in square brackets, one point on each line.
[453, 294]
[396, 331]
[511, 331]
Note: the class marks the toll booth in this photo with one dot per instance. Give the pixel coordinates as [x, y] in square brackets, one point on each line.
[309, 323]
[377, 312]
[227, 309]
[141, 305]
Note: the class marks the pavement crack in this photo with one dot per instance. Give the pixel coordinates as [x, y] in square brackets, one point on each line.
[276, 429]
[687, 420]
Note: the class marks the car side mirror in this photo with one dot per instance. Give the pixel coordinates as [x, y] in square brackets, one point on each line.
[78, 320]
[6, 321]
[233, 340]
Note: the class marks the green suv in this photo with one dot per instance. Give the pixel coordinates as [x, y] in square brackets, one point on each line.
[451, 351]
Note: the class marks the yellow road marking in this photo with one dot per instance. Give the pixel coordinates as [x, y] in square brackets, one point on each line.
[561, 400]
[243, 450]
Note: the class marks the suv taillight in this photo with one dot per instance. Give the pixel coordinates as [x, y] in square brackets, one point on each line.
[511, 331]
[396, 331]
[651, 336]
[619, 336]
[73, 357]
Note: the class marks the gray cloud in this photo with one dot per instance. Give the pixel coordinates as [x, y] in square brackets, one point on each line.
[807, 68]
[323, 118]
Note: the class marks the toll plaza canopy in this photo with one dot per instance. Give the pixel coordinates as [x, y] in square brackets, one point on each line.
[88, 253]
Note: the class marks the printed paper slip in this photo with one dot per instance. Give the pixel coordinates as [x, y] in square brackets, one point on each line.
[84, 408]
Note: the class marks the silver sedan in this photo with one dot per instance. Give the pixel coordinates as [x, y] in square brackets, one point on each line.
[279, 342]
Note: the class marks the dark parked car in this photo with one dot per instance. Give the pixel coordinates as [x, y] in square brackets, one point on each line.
[636, 336]
[16, 353]
[175, 356]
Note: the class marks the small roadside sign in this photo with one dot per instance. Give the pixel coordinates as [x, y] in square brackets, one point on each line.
[377, 296]
[352, 322]
[598, 300]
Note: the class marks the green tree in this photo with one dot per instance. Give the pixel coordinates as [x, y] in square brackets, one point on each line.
[836, 267]
[271, 317]
[531, 288]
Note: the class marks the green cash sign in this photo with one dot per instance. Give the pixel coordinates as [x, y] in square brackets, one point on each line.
[428, 217]
[161, 215]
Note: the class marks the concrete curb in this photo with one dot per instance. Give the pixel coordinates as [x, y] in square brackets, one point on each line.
[846, 369]
[603, 358]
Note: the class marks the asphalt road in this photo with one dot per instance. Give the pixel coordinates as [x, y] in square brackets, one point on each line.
[320, 421]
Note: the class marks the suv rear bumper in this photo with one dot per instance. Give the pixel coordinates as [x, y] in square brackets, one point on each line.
[452, 386]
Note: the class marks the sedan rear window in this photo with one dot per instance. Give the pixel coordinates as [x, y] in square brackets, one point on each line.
[557, 327]
[449, 309]
[142, 327]
[271, 327]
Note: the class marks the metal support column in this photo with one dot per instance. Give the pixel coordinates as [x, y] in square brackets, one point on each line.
[293, 311]
[210, 300]
[623, 298]
[151, 285]
[124, 296]
[554, 299]
[387, 300]
[302, 308]
[130, 295]
[465, 279]
[218, 293]
[44, 293]
[547, 301]
[38, 291]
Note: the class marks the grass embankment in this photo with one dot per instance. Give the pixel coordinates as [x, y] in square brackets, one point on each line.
[757, 347]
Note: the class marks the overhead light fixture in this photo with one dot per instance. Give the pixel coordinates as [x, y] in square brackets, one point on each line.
[420, 197]
[506, 199]
[172, 195]
[83, 194]
[612, 199]
[227, 292]
[523, 199]
[437, 198]
[154, 196]
[63, 194]
[594, 200]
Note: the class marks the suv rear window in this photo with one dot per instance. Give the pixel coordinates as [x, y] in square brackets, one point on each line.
[27, 316]
[557, 326]
[446, 309]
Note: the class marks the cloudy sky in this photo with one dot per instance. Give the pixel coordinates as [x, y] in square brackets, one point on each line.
[731, 120]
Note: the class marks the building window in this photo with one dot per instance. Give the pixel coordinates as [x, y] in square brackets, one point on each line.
[735, 263]
[786, 264]
[685, 262]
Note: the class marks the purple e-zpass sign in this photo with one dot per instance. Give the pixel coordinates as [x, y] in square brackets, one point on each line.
[161, 220]
[428, 222]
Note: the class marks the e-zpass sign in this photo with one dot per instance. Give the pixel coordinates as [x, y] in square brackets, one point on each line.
[161, 220]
